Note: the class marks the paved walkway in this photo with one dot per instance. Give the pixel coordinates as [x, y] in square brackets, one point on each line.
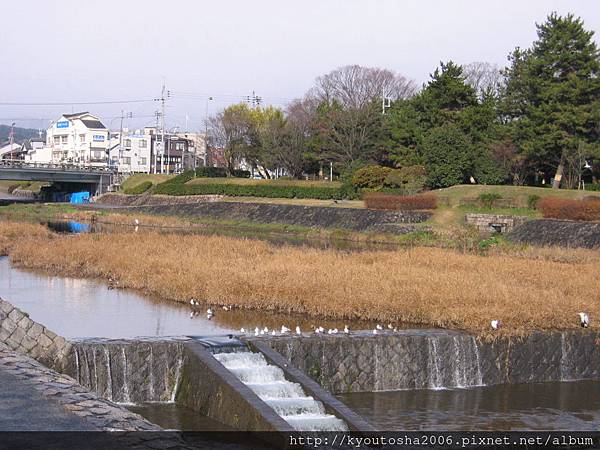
[23, 408]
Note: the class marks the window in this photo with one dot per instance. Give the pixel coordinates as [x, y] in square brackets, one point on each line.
[65, 139]
[56, 140]
[82, 138]
[142, 143]
[127, 161]
[143, 161]
[127, 143]
[179, 146]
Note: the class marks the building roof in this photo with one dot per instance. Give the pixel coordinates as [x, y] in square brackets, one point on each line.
[94, 124]
[75, 115]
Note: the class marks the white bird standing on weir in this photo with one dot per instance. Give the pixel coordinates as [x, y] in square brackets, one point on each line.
[209, 312]
[495, 324]
[375, 331]
[584, 320]
[284, 329]
[378, 327]
[298, 332]
[346, 329]
[256, 331]
[390, 326]
[265, 329]
[137, 222]
[242, 330]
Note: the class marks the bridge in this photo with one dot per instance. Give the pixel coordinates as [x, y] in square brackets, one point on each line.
[92, 178]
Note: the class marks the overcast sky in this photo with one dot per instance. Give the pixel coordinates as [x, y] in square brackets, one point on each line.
[114, 50]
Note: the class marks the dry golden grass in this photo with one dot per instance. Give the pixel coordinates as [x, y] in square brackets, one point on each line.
[12, 233]
[427, 286]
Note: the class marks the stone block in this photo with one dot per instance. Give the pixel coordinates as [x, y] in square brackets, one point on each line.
[44, 341]
[35, 330]
[25, 323]
[6, 307]
[4, 334]
[16, 315]
[18, 335]
[28, 343]
[8, 325]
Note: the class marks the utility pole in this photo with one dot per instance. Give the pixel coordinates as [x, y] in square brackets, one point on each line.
[12, 139]
[206, 132]
[123, 116]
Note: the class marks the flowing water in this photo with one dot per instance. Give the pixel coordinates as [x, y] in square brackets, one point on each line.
[288, 399]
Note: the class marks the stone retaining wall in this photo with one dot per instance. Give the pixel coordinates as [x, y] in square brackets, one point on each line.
[494, 222]
[146, 200]
[18, 332]
[564, 233]
[356, 219]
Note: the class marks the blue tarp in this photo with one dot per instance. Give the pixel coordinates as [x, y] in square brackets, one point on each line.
[80, 197]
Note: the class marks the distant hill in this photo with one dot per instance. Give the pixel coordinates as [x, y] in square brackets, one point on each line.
[20, 134]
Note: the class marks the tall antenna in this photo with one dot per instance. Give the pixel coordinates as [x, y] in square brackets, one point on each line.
[386, 102]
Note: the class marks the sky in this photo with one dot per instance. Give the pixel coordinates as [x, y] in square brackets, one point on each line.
[75, 51]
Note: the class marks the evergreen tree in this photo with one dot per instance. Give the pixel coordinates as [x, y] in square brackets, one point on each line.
[552, 96]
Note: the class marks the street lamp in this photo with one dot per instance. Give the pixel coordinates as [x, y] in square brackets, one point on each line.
[206, 132]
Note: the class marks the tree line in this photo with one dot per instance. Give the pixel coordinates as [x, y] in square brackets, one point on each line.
[535, 121]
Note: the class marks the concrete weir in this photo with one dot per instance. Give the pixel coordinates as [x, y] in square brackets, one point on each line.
[284, 383]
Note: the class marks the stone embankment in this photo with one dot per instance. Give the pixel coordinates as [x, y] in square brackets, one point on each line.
[564, 233]
[150, 200]
[356, 219]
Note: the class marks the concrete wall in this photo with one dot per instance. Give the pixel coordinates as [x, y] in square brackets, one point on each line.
[494, 222]
[433, 358]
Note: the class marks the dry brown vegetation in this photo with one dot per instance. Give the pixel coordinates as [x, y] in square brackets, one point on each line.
[12, 233]
[427, 286]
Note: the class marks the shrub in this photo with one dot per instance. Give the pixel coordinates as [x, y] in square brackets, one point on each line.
[241, 173]
[592, 187]
[370, 177]
[211, 172]
[408, 180]
[532, 201]
[138, 189]
[378, 200]
[488, 199]
[558, 208]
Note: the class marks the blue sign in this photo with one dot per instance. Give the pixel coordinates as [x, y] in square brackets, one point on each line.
[98, 138]
[62, 124]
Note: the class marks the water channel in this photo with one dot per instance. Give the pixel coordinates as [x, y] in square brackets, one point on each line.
[87, 308]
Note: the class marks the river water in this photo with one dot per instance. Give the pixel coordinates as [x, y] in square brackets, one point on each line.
[86, 308]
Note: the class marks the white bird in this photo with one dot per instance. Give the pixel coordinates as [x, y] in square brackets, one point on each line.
[390, 326]
[265, 329]
[334, 331]
[192, 302]
[375, 331]
[495, 324]
[395, 330]
[137, 222]
[273, 333]
[256, 331]
[192, 315]
[262, 332]
[298, 332]
[587, 165]
[210, 312]
[225, 308]
[242, 330]
[330, 331]
[317, 330]
[209, 316]
[584, 320]
[378, 327]
[284, 329]
[346, 329]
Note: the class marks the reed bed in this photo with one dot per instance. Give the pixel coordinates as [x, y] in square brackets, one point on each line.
[13, 233]
[426, 286]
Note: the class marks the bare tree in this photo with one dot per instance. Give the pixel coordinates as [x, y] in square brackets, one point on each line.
[229, 130]
[356, 86]
[484, 77]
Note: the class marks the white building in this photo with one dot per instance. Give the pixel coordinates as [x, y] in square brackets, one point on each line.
[78, 139]
[133, 152]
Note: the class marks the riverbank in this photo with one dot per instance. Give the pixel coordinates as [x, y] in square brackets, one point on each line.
[424, 286]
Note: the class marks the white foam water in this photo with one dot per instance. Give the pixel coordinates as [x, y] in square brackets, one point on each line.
[287, 399]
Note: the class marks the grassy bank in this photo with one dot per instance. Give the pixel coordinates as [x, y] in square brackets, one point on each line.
[428, 286]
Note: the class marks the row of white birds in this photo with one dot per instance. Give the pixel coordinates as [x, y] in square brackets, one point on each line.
[584, 322]
[316, 330]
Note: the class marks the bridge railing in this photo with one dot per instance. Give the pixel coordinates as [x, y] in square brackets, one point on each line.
[8, 164]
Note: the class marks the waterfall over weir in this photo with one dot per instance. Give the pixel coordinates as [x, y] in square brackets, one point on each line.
[128, 371]
[287, 399]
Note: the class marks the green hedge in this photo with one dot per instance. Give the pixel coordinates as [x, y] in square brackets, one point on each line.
[138, 189]
[178, 186]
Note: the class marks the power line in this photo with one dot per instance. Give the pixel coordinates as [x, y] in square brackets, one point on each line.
[106, 102]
